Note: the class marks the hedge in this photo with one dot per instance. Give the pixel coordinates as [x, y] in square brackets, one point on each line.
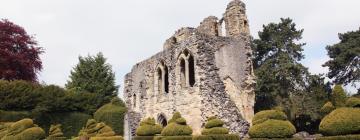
[214, 126]
[353, 102]
[341, 121]
[148, 128]
[55, 133]
[217, 137]
[343, 137]
[262, 116]
[327, 108]
[24, 130]
[143, 138]
[107, 138]
[112, 114]
[272, 129]
[176, 127]
[14, 116]
[173, 138]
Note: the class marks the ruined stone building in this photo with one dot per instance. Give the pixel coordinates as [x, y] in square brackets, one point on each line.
[201, 72]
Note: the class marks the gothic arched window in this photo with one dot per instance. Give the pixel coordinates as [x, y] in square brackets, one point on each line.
[162, 78]
[186, 69]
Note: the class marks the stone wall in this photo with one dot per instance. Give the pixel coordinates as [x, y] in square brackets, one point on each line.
[223, 76]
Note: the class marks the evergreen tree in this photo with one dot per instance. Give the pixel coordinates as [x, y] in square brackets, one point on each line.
[338, 97]
[92, 74]
[344, 63]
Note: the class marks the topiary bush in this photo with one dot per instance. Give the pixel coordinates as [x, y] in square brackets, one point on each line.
[24, 130]
[327, 108]
[177, 127]
[214, 126]
[3, 128]
[148, 128]
[343, 137]
[262, 116]
[217, 137]
[112, 114]
[55, 133]
[173, 138]
[98, 130]
[341, 121]
[107, 138]
[338, 96]
[272, 129]
[353, 102]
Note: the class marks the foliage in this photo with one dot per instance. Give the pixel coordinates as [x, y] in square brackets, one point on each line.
[353, 102]
[341, 121]
[107, 138]
[265, 115]
[173, 138]
[94, 129]
[55, 133]
[112, 114]
[338, 97]
[217, 137]
[343, 137]
[19, 53]
[176, 127]
[327, 108]
[18, 95]
[13, 116]
[344, 60]
[143, 137]
[24, 129]
[214, 126]
[148, 128]
[272, 129]
[92, 74]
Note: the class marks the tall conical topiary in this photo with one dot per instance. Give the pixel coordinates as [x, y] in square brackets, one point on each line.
[55, 133]
[148, 128]
[214, 126]
[177, 127]
[94, 129]
[338, 97]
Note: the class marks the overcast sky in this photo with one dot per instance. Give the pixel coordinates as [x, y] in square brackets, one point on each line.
[129, 31]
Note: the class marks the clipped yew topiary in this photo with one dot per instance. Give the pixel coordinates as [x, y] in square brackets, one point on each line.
[148, 128]
[3, 128]
[177, 127]
[94, 129]
[214, 126]
[338, 96]
[272, 129]
[327, 108]
[112, 114]
[341, 121]
[353, 102]
[55, 133]
[24, 129]
[262, 116]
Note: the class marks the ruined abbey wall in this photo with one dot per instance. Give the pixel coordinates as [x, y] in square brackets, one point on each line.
[200, 73]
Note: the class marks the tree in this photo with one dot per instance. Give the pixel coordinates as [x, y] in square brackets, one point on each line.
[19, 53]
[282, 81]
[344, 63]
[92, 74]
[338, 96]
[276, 62]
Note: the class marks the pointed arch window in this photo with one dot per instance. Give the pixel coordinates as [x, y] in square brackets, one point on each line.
[186, 69]
[162, 79]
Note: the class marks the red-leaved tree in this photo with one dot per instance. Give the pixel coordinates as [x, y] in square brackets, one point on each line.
[19, 54]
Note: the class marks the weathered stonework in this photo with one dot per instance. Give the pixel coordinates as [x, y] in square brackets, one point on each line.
[200, 73]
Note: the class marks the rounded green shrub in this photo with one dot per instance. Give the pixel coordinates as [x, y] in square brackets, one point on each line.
[262, 116]
[214, 127]
[34, 133]
[107, 138]
[24, 130]
[341, 121]
[55, 133]
[177, 127]
[353, 102]
[94, 129]
[338, 96]
[272, 129]
[112, 114]
[148, 128]
[327, 108]
[20, 126]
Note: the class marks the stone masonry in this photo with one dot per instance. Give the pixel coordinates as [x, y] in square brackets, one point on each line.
[201, 72]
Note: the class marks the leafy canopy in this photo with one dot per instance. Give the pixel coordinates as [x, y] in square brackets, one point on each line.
[19, 53]
[344, 63]
[92, 74]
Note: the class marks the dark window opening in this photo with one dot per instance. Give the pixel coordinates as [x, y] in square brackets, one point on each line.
[162, 120]
[166, 80]
[134, 100]
[182, 73]
[159, 76]
[191, 71]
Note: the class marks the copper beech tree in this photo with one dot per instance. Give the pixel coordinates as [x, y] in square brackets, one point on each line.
[19, 53]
